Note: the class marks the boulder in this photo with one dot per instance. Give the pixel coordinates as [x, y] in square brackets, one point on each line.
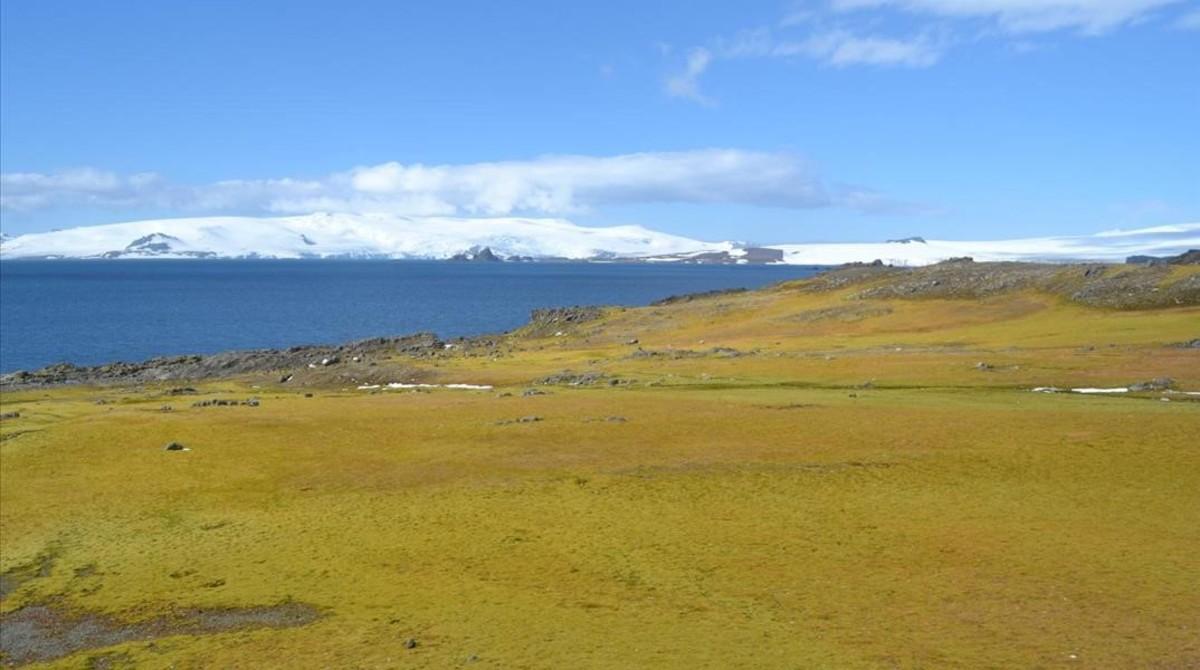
[1156, 384]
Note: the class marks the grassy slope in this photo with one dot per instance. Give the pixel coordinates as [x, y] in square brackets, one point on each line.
[752, 511]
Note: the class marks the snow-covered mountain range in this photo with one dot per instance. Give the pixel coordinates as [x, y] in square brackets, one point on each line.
[387, 236]
[348, 236]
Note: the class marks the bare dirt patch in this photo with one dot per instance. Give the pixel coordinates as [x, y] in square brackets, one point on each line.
[44, 632]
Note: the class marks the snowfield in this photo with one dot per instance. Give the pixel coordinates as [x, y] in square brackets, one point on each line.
[1112, 246]
[388, 236]
[348, 235]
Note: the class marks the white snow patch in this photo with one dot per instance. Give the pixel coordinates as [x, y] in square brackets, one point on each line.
[1082, 389]
[400, 385]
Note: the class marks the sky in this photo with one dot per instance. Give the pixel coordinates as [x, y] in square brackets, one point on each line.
[768, 122]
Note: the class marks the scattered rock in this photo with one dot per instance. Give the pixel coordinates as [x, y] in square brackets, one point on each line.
[226, 364]
[219, 402]
[532, 392]
[175, 446]
[983, 366]
[1118, 287]
[524, 419]
[1156, 384]
[569, 378]
[410, 643]
[689, 297]
[1189, 257]
[10, 415]
[632, 342]
[547, 322]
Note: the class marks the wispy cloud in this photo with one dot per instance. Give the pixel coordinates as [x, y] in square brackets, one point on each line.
[837, 47]
[545, 185]
[1092, 17]
[686, 84]
[881, 33]
[843, 48]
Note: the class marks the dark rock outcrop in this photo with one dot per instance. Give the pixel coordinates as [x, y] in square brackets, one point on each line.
[1107, 286]
[1189, 257]
[477, 255]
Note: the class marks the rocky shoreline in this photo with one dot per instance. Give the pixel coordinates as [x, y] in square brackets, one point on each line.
[381, 359]
[199, 367]
[373, 360]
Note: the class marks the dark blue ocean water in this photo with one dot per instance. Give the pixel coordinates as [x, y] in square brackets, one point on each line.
[89, 312]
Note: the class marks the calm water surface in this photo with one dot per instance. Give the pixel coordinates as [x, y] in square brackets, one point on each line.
[89, 312]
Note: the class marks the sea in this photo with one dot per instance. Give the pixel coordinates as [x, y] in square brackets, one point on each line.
[89, 312]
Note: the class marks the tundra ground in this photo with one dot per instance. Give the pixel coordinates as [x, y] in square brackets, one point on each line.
[800, 477]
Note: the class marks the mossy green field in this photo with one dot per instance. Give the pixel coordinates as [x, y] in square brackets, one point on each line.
[780, 479]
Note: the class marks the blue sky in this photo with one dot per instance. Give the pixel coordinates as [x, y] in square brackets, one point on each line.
[768, 122]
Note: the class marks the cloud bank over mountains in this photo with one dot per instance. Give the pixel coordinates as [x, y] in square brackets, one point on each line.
[552, 185]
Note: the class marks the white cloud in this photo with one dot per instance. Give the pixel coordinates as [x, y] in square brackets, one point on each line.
[842, 48]
[31, 190]
[686, 84]
[1020, 16]
[545, 185]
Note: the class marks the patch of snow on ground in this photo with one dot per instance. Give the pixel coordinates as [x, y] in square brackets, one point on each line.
[399, 385]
